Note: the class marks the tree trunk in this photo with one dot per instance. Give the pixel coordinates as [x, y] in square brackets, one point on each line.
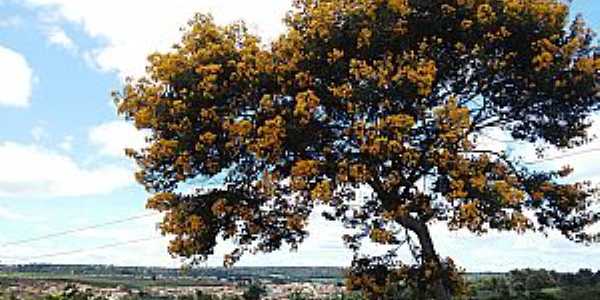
[441, 287]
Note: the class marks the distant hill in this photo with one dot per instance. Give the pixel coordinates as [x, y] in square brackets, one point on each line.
[236, 273]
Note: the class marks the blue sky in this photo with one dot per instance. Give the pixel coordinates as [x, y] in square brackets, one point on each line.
[61, 162]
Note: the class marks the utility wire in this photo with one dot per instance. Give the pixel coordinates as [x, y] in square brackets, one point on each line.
[119, 221]
[543, 160]
[562, 156]
[71, 231]
[106, 246]
[499, 140]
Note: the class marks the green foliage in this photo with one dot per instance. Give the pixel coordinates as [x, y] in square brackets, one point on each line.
[254, 292]
[531, 284]
[203, 296]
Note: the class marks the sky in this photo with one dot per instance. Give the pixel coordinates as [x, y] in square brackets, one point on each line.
[61, 142]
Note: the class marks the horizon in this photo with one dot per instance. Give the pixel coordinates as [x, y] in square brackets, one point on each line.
[182, 269]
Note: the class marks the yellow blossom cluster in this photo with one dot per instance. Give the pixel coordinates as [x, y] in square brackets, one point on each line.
[547, 12]
[588, 66]
[270, 138]
[238, 133]
[335, 55]
[302, 172]
[400, 6]
[306, 104]
[485, 13]
[322, 191]
[508, 193]
[519, 222]
[453, 121]
[295, 222]
[364, 282]
[380, 236]
[422, 76]
[364, 38]
[160, 201]
[469, 216]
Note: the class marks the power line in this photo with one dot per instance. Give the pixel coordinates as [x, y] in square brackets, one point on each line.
[119, 221]
[543, 160]
[70, 252]
[71, 231]
[562, 156]
[499, 140]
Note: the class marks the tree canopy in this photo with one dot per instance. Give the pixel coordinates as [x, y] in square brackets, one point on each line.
[385, 96]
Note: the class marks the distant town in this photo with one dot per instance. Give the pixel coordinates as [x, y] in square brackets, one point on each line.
[115, 282]
[107, 282]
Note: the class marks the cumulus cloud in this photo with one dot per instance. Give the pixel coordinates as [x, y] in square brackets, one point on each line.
[39, 133]
[57, 36]
[136, 29]
[16, 77]
[33, 171]
[66, 144]
[12, 21]
[114, 137]
[9, 215]
[495, 139]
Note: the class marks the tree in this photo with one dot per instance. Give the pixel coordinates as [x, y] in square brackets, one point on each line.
[389, 97]
[254, 292]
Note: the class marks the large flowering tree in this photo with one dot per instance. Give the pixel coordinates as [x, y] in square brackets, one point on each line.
[387, 96]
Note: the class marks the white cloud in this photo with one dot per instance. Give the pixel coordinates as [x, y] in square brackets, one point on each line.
[504, 251]
[114, 137]
[12, 21]
[38, 133]
[6, 214]
[492, 139]
[136, 28]
[33, 171]
[67, 143]
[579, 158]
[16, 78]
[57, 36]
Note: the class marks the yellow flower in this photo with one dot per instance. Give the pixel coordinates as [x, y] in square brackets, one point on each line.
[401, 7]
[306, 104]
[364, 38]
[485, 13]
[322, 191]
[466, 24]
[543, 61]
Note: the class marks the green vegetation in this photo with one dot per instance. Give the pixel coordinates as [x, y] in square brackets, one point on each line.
[144, 275]
[523, 284]
[538, 285]
[254, 292]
